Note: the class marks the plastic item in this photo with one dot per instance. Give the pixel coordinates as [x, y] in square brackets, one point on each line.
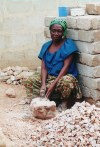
[63, 11]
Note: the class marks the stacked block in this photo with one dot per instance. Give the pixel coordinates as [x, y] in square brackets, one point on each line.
[85, 31]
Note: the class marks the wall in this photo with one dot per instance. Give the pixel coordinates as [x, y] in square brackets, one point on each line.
[75, 3]
[22, 30]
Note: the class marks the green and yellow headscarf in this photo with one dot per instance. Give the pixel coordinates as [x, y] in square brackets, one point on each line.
[61, 22]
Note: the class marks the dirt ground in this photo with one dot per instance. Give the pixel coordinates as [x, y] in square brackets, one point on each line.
[16, 120]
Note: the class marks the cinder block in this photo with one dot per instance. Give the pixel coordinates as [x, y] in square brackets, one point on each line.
[96, 22]
[88, 59]
[71, 22]
[72, 34]
[84, 22]
[92, 72]
[89, 36]
[89, 48]
[77, 11]
[87, 92]
[90, 82]
[93, 8]
[97, 47]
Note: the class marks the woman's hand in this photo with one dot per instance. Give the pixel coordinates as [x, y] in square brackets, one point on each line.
[43, 90]
[50, 90]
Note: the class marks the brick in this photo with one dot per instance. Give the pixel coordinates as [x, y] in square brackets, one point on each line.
[77, 11]
[90, 93]
[72, 34]
[84, 22]
[90, 60]
[93, 8]
[90, 82]
[96, 22]
[97, 47]
[89, 48]
[88, 22]
[71, 22]
[89, 36]
[93, 72]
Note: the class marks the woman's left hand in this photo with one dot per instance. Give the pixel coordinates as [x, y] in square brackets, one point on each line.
[50, 90]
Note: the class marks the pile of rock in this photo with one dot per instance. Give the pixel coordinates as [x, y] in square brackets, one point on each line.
[15, 75]
[79, 126]
[43, 108]
[85, 31]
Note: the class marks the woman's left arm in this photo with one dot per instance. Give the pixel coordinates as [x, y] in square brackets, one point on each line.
[63, 72]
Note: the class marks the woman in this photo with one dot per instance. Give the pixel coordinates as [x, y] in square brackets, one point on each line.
[58, 80]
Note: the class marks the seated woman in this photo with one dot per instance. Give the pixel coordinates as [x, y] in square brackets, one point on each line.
[58, 79]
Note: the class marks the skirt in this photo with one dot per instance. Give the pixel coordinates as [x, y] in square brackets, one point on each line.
[67, 89]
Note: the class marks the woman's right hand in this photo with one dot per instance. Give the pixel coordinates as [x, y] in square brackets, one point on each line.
[43, 90]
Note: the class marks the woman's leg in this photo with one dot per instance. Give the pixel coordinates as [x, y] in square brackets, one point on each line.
[33, 85]
[69, 89]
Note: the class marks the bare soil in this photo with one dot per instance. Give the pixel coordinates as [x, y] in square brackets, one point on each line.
[16, 120]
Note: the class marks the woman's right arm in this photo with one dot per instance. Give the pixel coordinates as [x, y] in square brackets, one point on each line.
[43, 76]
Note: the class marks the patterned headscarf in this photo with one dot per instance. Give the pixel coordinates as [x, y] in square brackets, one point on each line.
[61, 22]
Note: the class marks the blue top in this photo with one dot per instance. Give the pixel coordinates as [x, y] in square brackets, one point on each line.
[55, 61]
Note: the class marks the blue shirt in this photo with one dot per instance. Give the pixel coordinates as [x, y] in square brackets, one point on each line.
[55, 61]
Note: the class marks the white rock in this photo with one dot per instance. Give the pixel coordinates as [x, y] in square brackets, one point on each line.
[43, 108]
[24, 75]
[10, 93]
[9, 81]
[77, 11]
[12, 78]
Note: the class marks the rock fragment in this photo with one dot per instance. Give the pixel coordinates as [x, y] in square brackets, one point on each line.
[10, 93]
[43, 108]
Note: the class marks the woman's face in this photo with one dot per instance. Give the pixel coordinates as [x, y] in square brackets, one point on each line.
[56, 32]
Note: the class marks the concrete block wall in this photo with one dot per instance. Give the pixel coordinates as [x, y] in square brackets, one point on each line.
[85, 31]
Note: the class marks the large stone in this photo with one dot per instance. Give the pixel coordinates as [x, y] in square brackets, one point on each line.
[24, 75]
[90, 82]
[96, 22]
[71, 22]
[72, 34]
[10, 92]
[93, 8]
[89, 36]
[89, 48]
[90, 60]
[93, 72]
[43, 108]
[88, 22]
[88, 92]
[82, 35]
[77, 11]
[84, 22]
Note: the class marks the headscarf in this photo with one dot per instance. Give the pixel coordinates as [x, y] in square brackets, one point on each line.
[61, 22]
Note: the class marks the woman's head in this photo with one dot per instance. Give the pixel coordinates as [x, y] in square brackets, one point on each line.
[58, 29]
